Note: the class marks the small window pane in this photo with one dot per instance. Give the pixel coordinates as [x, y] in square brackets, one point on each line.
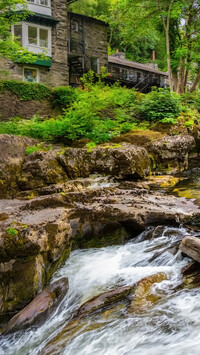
[32, 35]
[44, 2]
[30, 75]
[43, 38]
[76, 26]
[94, 64]
[18, 32]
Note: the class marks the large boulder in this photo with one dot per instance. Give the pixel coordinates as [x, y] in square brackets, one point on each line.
[170, 154]
[100, 217]
[40, 169]
[120, 161]
[40, 308]
[35, 240]
[12, 153]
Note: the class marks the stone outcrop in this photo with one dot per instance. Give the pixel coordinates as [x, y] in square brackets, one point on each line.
[40, 308]
[191, 247]
[170, 154]
[36, 235]
[121, 161]
[53, 213]
[12, 153]
[41, 169]
[34, 241]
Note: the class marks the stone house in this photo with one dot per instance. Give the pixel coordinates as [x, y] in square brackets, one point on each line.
[44, 31]
[133, 74]
[87, 46]
[73, 44]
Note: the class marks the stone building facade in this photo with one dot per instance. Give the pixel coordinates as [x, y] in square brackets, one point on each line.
[44, 31]
[87, 46]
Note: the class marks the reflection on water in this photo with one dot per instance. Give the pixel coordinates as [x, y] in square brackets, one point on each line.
[189, 187]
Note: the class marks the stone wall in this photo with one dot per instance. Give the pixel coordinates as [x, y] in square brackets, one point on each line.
[92, 34]
[12, 106]
[14, 71]
[59, 74]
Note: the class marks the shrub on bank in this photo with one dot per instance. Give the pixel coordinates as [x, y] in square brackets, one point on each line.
[160, 105]
[191, 100]
[64, 96]
[99, 112]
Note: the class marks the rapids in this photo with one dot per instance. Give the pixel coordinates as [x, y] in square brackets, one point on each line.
[171, 326]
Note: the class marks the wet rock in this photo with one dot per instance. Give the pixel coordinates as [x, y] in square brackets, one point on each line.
[124, 161]
[193, 266]
[12, 153]
[139, 296]
[40, 308]
[40, 169]
[143, 295]
[104, 300]
[157, 232]
[170, 154]
[191, 247]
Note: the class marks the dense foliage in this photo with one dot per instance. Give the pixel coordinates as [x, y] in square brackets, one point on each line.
[26, 91]
[63, 96]
[160, 105]
[170, 27]
[98, 112]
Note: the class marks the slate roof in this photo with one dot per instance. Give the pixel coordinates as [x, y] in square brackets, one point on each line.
[93, 19]
[135, 65]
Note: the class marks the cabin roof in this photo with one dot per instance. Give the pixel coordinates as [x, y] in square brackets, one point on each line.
[88, 18]
[135, 65]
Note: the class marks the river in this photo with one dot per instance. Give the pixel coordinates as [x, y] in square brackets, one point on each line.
[171, 326]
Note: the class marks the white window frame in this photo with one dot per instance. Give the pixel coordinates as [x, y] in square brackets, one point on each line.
[32, 47]
[76, 26]
[37, 2]
[37, 77]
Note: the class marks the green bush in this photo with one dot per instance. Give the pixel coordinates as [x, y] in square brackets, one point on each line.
[98, 114]
[64, 96]
[160, 105]
[191, 100]
[26, 91]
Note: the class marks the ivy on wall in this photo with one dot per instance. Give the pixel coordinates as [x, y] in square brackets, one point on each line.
[26, 91]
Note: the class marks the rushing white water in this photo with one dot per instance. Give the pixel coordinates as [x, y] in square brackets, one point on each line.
[170, 327]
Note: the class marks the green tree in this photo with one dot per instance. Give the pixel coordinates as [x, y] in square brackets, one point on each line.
[180, 22]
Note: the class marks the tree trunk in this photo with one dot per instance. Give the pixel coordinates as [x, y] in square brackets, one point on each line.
[196, 82]
[175, 82]
[168, 59]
